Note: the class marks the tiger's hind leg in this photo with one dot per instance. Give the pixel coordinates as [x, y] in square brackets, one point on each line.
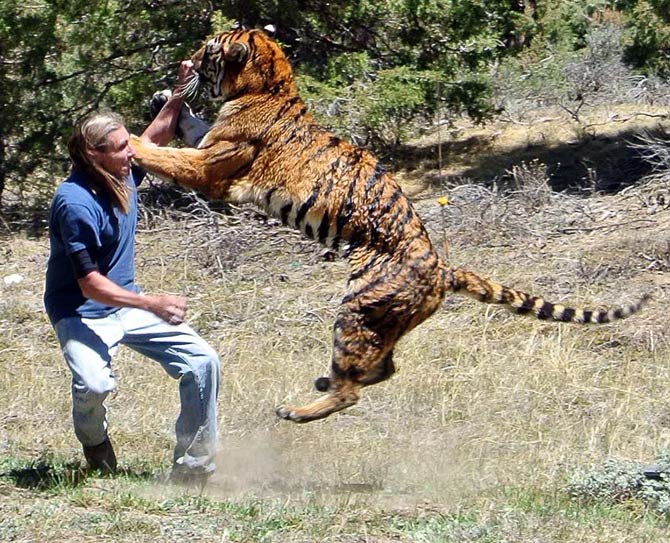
[361, 357]
[345, 395]
[342, 392]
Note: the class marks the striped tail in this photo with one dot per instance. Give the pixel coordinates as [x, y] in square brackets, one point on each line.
[488, 291]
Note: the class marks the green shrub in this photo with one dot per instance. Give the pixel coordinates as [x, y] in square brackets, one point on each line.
[649, 31]
[618, 481]
[380, 108]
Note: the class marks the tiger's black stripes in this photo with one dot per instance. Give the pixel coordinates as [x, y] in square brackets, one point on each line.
[373, 183]
[406, 218]
[546, 311]
[342, 348]
[301, 113]
[252, 45]
[344, 214]
[268, 196]
[347, 208]
[382, 280]
[318, 153]
[306, 206]
[285, 212]
[276, 155]
[334, 166]
[292, 136]
[285, 107]
[527, 304]
[568, 315]
[376, 262]
[396, 197]
[375, 178]
[324, 227]
[393, 221]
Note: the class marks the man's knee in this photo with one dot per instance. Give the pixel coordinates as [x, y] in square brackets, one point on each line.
[210, 361]
[93, 388]
[206, 365]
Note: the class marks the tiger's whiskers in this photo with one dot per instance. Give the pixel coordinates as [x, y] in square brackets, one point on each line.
[189, 90]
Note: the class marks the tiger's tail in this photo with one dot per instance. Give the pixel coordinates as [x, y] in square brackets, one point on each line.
[488, 291]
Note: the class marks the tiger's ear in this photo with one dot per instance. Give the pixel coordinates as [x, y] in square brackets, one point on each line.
[236, 52]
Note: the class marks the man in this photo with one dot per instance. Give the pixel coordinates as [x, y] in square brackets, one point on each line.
[94, 304]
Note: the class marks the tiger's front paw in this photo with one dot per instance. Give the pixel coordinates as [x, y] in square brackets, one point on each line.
[141, 146]
[147, 156]
[158, 101]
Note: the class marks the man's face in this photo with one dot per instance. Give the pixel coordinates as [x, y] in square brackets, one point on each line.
[117, 154]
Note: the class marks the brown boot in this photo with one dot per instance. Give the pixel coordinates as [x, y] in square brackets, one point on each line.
[101, 457]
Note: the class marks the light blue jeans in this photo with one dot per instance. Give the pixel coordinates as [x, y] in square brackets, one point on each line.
[89, 345]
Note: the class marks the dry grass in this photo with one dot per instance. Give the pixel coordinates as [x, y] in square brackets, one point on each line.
[473, 440]
[484, 401]
[592, 153]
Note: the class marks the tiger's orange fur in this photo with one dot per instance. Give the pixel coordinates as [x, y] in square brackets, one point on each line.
[267, 149]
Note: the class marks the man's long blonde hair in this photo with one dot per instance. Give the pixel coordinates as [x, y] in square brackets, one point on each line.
[91, 134]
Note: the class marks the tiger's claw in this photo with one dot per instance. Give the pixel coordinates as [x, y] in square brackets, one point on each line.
[283, 413]
[286, 413]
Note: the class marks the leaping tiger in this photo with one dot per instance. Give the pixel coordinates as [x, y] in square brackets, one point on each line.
[266, 148]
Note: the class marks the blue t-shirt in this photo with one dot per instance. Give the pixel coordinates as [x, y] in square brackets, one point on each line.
[81, 219]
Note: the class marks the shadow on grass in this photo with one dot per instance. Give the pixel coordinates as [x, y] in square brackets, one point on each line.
[604, 163]
[598, 162]
[45, 475]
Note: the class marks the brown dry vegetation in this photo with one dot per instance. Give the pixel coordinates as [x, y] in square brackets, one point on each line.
[592, 152]
[472, 440]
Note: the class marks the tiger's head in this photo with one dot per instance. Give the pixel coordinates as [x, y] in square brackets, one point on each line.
[241, 62]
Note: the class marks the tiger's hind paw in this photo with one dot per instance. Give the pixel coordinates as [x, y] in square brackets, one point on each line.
[322, 384]
[283, 412]
[286, 413]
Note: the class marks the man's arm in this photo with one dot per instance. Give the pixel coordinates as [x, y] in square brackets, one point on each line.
[97, 287]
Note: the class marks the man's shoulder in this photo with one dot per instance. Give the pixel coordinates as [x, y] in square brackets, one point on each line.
[74, 199]
[74, 189]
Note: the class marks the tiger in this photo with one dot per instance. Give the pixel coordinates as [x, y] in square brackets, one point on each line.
[267, 149]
